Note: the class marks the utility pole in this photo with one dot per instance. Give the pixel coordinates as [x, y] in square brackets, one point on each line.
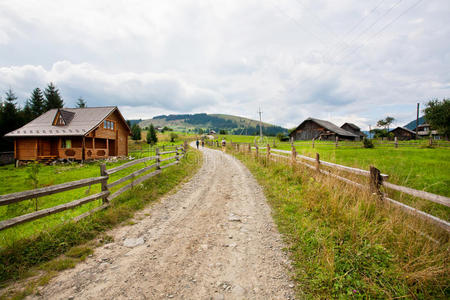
[370, 132]
[417, 122]
[260, 122]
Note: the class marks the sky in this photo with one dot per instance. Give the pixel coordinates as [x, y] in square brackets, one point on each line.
[343, 61]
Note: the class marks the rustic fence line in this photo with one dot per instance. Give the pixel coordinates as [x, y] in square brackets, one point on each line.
[105, 193]
[376, 179]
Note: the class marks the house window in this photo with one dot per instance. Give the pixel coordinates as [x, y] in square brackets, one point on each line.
[60, 121]
[66, 143]
[108, 125]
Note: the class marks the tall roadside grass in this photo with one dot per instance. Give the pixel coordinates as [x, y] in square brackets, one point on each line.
[346, 243]
[26, 256]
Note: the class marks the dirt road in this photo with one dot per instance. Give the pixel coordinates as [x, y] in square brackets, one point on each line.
[213, 238]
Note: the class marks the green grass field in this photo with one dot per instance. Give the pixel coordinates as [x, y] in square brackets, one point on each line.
[15, 180]
[418, 167]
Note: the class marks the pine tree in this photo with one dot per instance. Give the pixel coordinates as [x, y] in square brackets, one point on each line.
[53, 99]
[37, 102]
[81, 103]
[9, 119]
[26, 113]
[151, 135]
[136, 133]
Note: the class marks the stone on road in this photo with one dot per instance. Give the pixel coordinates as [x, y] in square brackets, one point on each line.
[213, 238]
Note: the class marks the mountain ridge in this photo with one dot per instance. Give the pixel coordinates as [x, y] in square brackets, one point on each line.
[193, 122]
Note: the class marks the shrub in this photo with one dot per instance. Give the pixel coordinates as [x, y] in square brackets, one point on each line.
[367, 143]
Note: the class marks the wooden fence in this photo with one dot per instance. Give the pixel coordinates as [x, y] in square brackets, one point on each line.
[377, 179]
[105, 193]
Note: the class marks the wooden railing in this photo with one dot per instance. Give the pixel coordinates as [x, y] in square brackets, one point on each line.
[105, 193]
[377, 179]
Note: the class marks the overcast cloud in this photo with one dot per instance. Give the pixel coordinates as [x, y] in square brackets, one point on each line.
[345, 60]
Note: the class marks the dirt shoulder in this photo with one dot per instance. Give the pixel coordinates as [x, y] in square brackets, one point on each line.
[212, 239]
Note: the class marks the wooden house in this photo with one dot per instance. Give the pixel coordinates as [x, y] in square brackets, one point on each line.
[350, 127]
[425, 131]
[320, 130]
[72, 133]
[403, 134]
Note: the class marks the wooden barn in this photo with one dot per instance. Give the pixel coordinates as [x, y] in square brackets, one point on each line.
[403, 134]
[350, 127]
[72, 133]
[320, 130]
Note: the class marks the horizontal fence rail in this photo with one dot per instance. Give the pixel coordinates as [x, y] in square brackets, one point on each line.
[377, 179]
[105, 193]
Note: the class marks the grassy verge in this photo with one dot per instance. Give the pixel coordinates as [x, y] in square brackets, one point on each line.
[344, 243]
[29, 256]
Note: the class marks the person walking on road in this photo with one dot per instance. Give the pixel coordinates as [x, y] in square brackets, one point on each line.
[197, 143]
[203, 143]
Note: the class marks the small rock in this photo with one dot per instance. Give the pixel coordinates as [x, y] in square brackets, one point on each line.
[234, 218]
[133, 242]
[291, 285]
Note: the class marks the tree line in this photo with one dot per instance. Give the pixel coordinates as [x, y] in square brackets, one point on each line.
[13, 116]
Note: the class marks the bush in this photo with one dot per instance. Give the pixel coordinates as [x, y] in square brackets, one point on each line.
[173, 137]
[367, 143]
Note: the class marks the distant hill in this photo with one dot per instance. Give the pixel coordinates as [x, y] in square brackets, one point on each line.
[132, 122]
[216, 122]
[412, 125]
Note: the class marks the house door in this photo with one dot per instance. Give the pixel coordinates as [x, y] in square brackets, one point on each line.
[44, 147]
[112, 147]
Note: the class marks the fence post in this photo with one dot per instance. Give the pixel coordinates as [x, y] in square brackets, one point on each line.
[158, 160]
[375, 181]
[249, 148]
[396, 142]
[177, 156]
[431, 141]
[274, 145]
[268, 152]
[337, 139]
[104, 182]
[313, 142]
[238, 148]
[317, 162]
[185, 146]
[256, 153]
[293, 156]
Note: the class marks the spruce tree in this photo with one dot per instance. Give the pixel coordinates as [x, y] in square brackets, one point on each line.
[26, 113]
[151, 135]
[37, 102]
[136, 133]
[52, 97]
[9, 119]
[81, 103]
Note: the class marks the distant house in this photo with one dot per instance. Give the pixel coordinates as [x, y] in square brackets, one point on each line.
[72, 133]
[424, 131]
[350, 127]
[403, 134]
[320, 130]
[212, 132]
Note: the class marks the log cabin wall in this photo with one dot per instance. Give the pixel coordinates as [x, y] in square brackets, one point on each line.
[308, 131]
[26, 148]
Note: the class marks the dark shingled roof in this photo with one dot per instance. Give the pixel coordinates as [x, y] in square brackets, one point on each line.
[352, 126]
[79, 122]
[331, 127]
[405, 129]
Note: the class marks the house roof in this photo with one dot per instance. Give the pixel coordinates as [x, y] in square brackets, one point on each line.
[79, 122]
[405, 129]
[329, 126]
[352, 126]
